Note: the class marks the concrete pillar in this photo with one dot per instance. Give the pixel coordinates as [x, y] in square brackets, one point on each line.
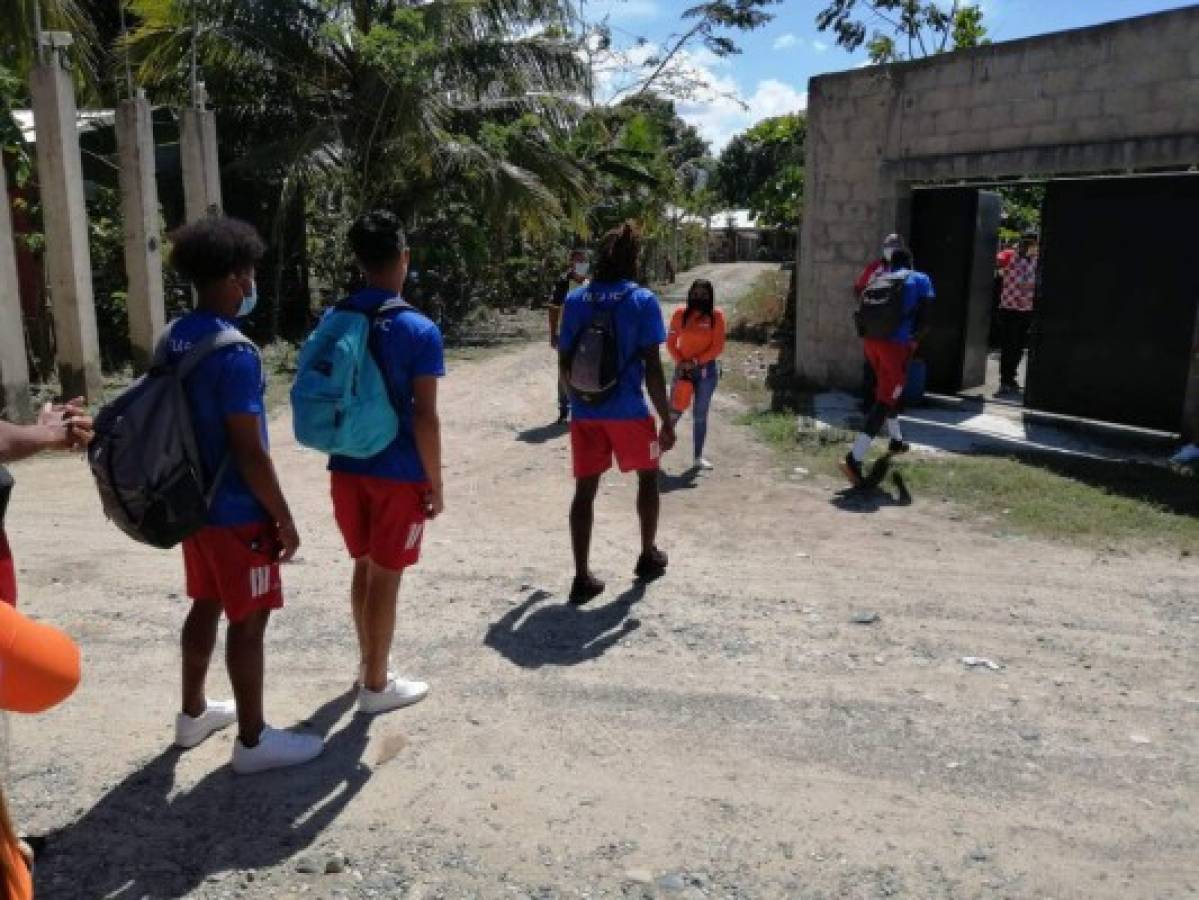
[201, 169]
[68, 261]
[139, 209]
[15, 403]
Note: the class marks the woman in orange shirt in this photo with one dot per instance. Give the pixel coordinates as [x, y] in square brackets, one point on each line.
[695, 342]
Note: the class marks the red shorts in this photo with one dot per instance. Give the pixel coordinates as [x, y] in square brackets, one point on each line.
[8, 573]
[236, 566]
[380, 519]
[890, 363]
[633, 442]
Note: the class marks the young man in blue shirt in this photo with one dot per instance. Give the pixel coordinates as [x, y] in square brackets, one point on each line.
[620, 427]
[889, 358]
[381, 503]
[232, 565]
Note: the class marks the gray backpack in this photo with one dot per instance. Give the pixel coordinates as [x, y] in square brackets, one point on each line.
[144, 456]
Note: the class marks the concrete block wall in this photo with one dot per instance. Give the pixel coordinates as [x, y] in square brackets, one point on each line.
[1120, 96]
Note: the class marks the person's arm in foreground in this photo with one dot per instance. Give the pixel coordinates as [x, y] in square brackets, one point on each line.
[57, 427]
[655, 385]
[426, 431]
[254, 463]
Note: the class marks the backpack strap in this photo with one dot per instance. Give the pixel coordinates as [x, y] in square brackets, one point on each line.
[226, 337]
[185, 365]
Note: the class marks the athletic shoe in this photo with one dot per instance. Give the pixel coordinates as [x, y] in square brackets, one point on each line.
[897, 447]
[397, 694]
[651, 565]
[853, 470]
[1187, 456]
[1008, 389]
[191, 732]
[276, 749]
[584, 589]
[703, 464]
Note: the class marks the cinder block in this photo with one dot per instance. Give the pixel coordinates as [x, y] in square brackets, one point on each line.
[1034, 112]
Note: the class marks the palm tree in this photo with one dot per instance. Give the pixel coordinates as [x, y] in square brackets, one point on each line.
[396, 100]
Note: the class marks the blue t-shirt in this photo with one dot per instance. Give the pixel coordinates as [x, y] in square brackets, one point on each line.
[639, 326]
[917, 290]
[229, 382]
[406, 346]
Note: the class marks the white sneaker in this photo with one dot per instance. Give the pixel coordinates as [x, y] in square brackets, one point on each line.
[1187, 455]
[276, 749]
[701, 463]
[397, 694]
[191, 732]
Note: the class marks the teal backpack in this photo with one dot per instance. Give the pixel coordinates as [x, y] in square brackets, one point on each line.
[340, 402]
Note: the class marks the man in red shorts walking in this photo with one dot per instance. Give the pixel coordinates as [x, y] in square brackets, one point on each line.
[619, 427]
[889, 357]
[382, 502]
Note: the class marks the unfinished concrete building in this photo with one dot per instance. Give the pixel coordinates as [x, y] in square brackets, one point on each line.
[1108, 117]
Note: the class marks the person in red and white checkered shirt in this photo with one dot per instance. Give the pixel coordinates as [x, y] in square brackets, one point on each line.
[1016, 303]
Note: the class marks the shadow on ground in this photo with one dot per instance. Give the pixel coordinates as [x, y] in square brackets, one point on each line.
[543, 434]
[562, 635]
[687, 480]
[144, 840]
[872, 498]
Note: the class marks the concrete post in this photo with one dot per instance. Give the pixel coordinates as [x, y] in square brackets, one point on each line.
[139, 209]
[15, 402]
[69, 269]
[201, 169]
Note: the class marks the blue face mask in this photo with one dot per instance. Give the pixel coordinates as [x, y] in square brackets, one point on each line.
[249, 301]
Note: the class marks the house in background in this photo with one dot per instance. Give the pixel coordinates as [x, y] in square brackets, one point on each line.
[736, 236]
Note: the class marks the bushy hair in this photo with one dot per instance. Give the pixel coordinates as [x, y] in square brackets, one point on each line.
[618, 254]
[214, 247]
[377, 239]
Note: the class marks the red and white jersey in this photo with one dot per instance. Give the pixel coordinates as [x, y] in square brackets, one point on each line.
[1019, 284]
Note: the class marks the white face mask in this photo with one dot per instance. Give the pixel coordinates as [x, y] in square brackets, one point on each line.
[581, 269]
[248, 301]
[887, 252]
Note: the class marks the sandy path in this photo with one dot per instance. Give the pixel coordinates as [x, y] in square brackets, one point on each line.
[728, 734]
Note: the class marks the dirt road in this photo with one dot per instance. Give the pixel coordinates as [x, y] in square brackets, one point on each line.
[728, 732]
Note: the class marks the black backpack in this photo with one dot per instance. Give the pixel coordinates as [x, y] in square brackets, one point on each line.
[880, 308]
[593, 365]
[144, 456]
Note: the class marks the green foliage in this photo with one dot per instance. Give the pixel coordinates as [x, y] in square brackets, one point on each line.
[915, 28]
[106, 244]
[1022, 204]
[763, 170]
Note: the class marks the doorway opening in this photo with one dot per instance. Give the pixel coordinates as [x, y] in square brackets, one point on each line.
[1114, 293]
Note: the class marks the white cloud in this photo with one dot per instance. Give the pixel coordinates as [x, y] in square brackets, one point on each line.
[819, 46]
[784, 41]
[723, 110]
[713, 101]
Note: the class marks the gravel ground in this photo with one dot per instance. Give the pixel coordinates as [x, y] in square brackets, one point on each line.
[729, 731]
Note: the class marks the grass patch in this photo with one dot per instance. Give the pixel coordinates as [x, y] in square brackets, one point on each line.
[1094, 503]
[760, 310]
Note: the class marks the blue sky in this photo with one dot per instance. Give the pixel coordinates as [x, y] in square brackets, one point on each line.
[772, 73]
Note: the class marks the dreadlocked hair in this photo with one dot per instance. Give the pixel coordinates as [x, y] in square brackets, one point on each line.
[618, 254]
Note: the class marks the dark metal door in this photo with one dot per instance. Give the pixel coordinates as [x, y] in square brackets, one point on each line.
[1115, 317]
[955, 233]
